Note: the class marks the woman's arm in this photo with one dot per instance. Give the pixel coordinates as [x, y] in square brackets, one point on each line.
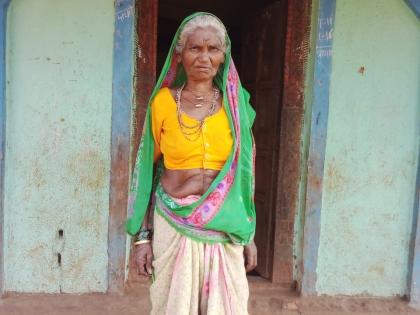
[143, 253]
[148, 218]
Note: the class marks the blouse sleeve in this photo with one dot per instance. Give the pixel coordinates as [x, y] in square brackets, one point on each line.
[157, 123]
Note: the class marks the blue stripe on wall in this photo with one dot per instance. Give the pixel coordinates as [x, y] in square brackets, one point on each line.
[414, 271]
[122, 96]
[415, 6]
[318, 135]
[4, 4]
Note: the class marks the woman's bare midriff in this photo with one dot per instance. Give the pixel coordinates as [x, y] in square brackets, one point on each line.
[182, 183]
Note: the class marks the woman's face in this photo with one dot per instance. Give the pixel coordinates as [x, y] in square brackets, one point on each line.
[202, 54]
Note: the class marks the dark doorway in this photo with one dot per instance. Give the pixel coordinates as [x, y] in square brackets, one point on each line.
[257, 30]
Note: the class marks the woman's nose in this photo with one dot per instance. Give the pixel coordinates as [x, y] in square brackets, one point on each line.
[204, 55]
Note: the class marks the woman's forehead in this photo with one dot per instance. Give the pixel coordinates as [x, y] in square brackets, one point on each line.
[204, 35]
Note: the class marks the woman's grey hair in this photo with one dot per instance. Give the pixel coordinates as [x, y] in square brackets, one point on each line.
[201, 21]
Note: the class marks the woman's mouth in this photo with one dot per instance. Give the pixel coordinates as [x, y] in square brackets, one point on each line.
[202, 68]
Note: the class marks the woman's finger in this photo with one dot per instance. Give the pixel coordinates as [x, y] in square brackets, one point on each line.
[247, 258]
[249, 263]
[149, 258]
[141, 263]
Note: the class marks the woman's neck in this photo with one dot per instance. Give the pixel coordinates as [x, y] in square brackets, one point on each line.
[199, 86]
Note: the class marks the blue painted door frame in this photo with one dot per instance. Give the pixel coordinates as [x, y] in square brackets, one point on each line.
[414, 276]
[414, 272]
[318, 136]
[122, 96]
[4, 4]
[415, 6]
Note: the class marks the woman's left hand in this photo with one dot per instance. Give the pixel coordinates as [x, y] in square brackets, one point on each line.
[250, 253]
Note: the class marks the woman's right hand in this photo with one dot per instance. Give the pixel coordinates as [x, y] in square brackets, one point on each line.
[143, 256]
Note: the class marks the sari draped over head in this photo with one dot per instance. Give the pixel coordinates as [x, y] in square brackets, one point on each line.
[226, 211]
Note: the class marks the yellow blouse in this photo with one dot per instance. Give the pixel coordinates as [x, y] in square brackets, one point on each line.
[209, 151]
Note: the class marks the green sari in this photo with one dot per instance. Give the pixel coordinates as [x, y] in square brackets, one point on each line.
[226, 211]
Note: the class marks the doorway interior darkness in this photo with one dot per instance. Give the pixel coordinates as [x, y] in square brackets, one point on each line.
[257, 30]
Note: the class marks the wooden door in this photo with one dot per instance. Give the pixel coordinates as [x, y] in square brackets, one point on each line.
[262, 75]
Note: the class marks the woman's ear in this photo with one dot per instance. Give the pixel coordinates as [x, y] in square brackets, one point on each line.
[178, 58]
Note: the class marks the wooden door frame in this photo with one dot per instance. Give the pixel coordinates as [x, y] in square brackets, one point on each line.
[146, 58]
[290, 151]
[290, 166]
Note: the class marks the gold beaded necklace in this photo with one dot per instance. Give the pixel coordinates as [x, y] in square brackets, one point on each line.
[193, 132]
[202, 99]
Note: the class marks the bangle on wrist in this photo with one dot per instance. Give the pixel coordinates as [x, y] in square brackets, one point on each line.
[143, 234]
[142, 242]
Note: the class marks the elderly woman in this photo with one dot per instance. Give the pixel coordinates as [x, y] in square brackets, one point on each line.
[197, 141]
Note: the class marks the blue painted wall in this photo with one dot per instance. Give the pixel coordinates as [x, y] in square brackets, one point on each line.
[371, 151]
[58, 137]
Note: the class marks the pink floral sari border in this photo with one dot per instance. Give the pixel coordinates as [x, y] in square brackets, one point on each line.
[181, 225]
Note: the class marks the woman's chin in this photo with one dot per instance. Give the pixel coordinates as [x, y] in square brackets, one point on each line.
[202, 76]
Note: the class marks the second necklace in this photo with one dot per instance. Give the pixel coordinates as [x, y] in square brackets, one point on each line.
[192, 132]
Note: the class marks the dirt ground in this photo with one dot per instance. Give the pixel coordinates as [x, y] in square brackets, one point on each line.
[265, 300]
